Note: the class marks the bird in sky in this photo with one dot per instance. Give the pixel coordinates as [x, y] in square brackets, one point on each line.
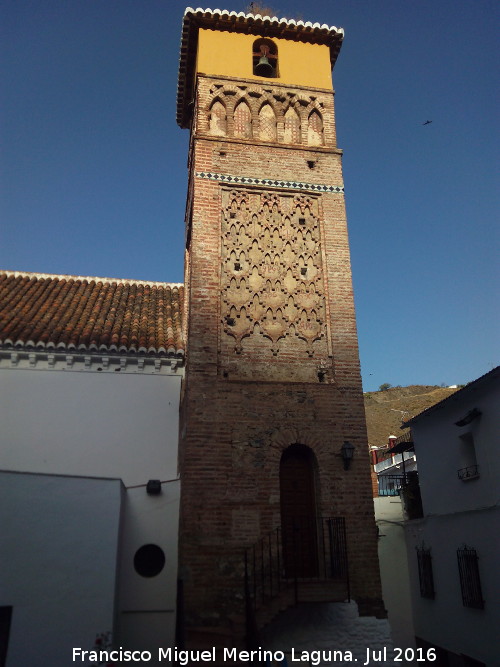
[427, 122]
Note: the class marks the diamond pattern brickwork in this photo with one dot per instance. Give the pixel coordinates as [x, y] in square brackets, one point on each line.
[272, 289]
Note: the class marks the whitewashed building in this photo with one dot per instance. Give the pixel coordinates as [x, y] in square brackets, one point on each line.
[453, 549]
[89, 490]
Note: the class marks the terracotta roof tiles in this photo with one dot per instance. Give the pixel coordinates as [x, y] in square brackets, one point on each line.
[44, 311]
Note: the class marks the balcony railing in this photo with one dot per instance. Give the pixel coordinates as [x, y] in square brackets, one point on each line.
[406, 486]
[390, 485]
[471, 472]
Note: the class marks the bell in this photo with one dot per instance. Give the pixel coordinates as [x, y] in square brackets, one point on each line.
[264, 67]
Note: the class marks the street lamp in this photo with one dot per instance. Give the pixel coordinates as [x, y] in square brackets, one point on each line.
[347, 452]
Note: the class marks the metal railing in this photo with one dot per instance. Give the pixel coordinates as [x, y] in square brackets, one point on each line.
[407, 486]
[470, 472]
[390, 485]
[300, 551]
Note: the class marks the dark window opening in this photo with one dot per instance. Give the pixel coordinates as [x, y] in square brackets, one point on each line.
[469, 468]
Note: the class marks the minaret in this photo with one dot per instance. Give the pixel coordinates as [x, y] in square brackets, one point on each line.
[272, 403]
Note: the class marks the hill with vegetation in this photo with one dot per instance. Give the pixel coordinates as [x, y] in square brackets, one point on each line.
[387, 409]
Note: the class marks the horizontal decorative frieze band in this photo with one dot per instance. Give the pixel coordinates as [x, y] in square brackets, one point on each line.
[269, 182]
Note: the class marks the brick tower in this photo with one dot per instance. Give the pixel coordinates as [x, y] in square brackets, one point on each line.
[272, 387]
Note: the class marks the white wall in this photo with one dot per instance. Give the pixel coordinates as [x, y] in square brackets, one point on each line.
[438, 450]
[394, 569]
[147, 605]
[107, 424]
[458, 513]
[58, 563]
[89, 423]
[444, 621]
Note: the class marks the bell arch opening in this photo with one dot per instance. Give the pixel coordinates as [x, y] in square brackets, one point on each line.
[265, 58]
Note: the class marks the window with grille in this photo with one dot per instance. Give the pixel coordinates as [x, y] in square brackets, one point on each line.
[470, 582]
[425, 573]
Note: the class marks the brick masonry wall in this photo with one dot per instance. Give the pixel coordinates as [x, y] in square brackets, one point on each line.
[244, 405]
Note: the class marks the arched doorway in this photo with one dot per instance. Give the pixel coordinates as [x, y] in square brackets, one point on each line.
[298, 512]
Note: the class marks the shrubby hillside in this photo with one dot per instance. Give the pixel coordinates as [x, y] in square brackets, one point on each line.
[385, 410]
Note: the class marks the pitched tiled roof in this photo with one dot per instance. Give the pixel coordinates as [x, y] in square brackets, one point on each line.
[265, 26]
[41, 311]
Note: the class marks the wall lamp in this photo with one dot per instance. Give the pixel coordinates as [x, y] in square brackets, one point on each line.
[347, 452]
[153, 487]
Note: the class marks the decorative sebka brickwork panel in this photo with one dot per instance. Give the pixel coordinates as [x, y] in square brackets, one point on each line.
[272, 284]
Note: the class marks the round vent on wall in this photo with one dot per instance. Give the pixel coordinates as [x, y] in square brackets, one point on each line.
[149, 560]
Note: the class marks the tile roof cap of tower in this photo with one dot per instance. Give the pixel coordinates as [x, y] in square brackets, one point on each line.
[269, 26]
[258, 19]
[82, 313]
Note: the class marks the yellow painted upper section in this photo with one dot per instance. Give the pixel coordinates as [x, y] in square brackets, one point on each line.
[222, 53]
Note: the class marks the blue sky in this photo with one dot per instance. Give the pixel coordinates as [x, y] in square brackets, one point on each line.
[93, 168]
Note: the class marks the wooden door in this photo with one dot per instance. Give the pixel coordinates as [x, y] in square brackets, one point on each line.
[298, 512]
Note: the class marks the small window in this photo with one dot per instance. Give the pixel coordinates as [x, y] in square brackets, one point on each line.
[468, 461]
[470, 582]
[265, 58]
[468, 468]
[425, 573]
